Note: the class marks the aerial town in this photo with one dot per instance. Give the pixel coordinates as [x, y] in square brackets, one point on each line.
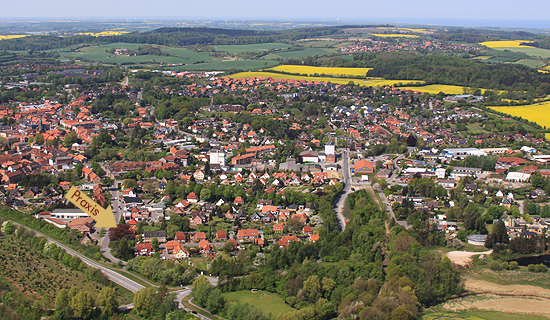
[334, 172]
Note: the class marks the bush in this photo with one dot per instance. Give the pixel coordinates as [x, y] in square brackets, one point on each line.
[537, 268]
[505, 265]
[495, 266]
[513, 265]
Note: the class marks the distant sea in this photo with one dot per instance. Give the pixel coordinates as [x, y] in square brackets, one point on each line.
[498, 23]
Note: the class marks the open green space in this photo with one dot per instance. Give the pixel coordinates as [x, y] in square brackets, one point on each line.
[303, 53]
[478, 315]
[269, 303]
[532, 63]
[231, 64]
[98, 54]
[231, 49]
[534, 52]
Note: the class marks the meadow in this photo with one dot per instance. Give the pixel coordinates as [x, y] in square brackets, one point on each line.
[302, 53]
[538, 112]
[374, 82]
[268, 302]
[230, 64]
[394, 35]
[478, 315]
[237, 49]
[310, 71]
[98, 54]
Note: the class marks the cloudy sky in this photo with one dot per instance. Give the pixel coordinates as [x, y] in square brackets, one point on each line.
[421, 11]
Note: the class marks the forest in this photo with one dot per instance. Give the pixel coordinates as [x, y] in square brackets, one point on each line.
[177, 37]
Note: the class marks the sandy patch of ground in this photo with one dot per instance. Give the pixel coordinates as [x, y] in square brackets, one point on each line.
[481, 286]
[464, 258]
[519, 299]
[539, 307]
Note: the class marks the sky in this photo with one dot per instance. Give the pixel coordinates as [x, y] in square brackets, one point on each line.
[512, 13]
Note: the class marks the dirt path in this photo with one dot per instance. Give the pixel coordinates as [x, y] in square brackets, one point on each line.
[464, 258]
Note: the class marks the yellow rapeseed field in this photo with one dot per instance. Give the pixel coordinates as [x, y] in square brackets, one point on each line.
[356, 72]
[374, 82]
[506, 44]
[102, 34]
[13, 36]
[394, 35]
[539, 112]
[437, 88]
[407, 29]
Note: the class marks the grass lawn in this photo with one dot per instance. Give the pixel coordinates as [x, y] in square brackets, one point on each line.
[199, 263]
[475, 128]
[269, 303]
[478, 315]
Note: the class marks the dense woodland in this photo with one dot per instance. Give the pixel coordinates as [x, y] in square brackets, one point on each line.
[170, 37]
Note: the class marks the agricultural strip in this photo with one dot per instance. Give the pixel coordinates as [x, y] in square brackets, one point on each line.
[231, 49]
[355, 72]
[374, 82]
[505, 44]
[538, 113]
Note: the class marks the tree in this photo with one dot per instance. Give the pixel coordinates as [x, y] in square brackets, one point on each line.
[155, 243]
[82, 305]
[312, 288]
[146, 301]
[205, 194]
[107, 300]
[39, 138]
[62, 304]
[216, 301]
[130, 184]
[411, 141]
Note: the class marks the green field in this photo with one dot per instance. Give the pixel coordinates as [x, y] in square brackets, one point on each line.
[231, 64]
[269, 303]
[98, 54]
[478, 315]
[534, 52]
[303, 53]
[531, 63]
[231, 49]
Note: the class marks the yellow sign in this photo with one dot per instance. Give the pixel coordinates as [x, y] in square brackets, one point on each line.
[104, 217]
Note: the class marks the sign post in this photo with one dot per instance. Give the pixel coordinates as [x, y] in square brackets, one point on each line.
[104, 217]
